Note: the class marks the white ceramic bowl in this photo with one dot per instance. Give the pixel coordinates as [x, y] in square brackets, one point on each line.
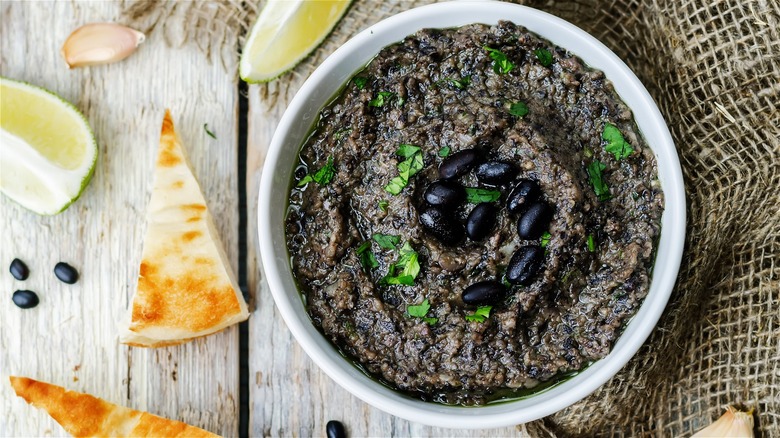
[303, 111]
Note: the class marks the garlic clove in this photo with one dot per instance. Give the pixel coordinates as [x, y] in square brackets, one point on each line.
[100, 43]
[733, 423]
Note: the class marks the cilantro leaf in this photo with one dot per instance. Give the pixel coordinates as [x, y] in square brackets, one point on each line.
[518, 109]
[480, 315]
[545, 239]
[367, 257]
[420, 310]
[305, 180]
[408, 265]
[383, 205]
[326, 173]
[407, 168]
[395, 185]
[616, 144]
[381, 99]
[544, 56]
[407, 150]
[597, 180]
[461, 83]
[360, 82]
[475, 195]
[208, 132]
[501, 63]
[387, 241]
[591, 243]
[444, 152]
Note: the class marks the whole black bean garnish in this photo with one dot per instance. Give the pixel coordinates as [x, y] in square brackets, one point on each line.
[446, 194]
[66, 273]
[19, 270]
[458, 164]
[534, 221]
[524, 265]
[442, 225]
[335, 429]
[496, 173]
[25, 299]
[484, 292]
[481, 221]
[522, 196]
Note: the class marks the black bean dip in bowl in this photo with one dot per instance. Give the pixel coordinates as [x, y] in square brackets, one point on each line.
[474, 217]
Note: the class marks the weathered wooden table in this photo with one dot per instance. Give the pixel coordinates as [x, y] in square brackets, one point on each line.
[70, 339]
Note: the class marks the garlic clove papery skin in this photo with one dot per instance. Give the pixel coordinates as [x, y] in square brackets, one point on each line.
[100, 43]
[734, 423]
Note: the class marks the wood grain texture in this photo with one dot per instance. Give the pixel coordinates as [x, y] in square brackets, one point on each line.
[70, 339]
[289, 394]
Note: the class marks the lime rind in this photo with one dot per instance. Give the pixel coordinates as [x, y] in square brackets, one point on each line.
[91, 146]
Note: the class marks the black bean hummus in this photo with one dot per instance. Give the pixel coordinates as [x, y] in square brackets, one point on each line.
[474, 214]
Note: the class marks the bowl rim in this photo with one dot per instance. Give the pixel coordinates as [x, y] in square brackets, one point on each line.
[636, 332]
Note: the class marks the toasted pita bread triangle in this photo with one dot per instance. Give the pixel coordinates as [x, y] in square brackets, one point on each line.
[85, 415]
[186, 288]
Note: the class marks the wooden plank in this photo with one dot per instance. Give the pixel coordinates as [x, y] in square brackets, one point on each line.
[289, 395]
[70, 339]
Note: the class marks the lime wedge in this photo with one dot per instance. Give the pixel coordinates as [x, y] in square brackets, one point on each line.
[47, 151]
[286, 32]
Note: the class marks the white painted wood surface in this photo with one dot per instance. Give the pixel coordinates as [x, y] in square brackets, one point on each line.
[70, 339]
[289, 394]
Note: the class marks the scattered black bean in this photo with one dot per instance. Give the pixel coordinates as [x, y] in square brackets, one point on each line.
[25, 299]
[446, 194]
[524, 265]
[442, 225]
[484, 292]
[522, 196]
[481, 221]
[66, 273]
[496, 173]
[335, 429]
[535, 221]
[458, 163]
[19, 270]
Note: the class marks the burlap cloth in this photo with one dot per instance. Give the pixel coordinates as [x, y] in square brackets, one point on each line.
[713, 67]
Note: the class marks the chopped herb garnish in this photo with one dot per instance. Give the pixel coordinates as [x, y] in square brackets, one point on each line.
[587, 152]
[360, 82]
[407, 264]
[480, 315]
[387, 241]
[407, 168]
[475, 195]
[367, 257]
[518, 109]
[323, 176]
[444, 152]
[407, 150]
[597, 180]
[381, 99]
[591, 243]
[616, 144]
[545, 239]
[401, 101]
[208, 132]
[420, 310]
[383, 205]
[544, 56]
[461, 83]
[501, 63]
